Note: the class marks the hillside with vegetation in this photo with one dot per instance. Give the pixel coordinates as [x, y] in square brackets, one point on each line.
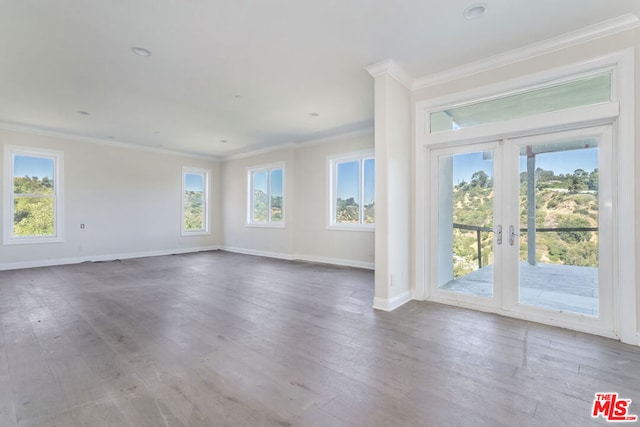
[562, 201]
[193, 210]
[348, 212]
[33, 206]
[261, 207]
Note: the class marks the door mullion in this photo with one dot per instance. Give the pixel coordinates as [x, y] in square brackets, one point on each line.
[509, 177]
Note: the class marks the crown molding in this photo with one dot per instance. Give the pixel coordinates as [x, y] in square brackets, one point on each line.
[573, 38]
[302, 144]
[391, 68]
[34, 130]
[259, 151]
[333, 138]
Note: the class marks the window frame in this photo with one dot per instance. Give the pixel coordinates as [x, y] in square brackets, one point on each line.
[206, 173]
[10, 152]
[333, 162]
[268, 168]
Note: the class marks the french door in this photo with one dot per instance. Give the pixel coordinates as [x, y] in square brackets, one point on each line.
[523, 227]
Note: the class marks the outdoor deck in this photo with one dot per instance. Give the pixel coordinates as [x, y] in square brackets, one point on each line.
[557, 287]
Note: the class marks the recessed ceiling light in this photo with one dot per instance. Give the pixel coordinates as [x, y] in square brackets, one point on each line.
[141, 51]
[475, 11]
[314, 114]
[84, 113]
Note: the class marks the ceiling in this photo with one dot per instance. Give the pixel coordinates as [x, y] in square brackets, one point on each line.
[252, 73]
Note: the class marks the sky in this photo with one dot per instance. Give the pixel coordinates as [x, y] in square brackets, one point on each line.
[564, 162]
[560, 162]
[193, 182]
[348, 180]
[260, 182]
[33, 166]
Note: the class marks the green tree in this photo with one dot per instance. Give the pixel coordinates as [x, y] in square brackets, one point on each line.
[369, 213]
[578, 181]
[193, 211]
[259, 206]
[480, 179]
[276, 208]
[574, 221]
[33, 206]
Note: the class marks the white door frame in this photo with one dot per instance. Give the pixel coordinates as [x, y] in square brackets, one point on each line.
[620, 113]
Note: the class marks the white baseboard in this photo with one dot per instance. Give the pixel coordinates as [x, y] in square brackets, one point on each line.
[336, 261]
[98, 258]
[390, 304]
[278, 255]
[297, 257]
[129, 255]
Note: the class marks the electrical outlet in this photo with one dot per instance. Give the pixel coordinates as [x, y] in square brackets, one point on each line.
[82, 226]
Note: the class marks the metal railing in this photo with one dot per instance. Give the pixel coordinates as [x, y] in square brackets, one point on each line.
[478, 230]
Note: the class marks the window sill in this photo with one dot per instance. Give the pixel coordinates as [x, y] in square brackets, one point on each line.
[195, 233]
[257, 225]
[354, 227]
[32, 240]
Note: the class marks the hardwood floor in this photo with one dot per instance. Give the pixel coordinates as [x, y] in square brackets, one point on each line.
[221, 339]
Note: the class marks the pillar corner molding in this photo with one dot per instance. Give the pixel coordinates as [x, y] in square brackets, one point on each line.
[391, 68]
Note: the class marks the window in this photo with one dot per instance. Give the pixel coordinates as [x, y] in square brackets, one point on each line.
[590, 90]
[32, 196]
[195, 201]
[352, 186]
[266, 196]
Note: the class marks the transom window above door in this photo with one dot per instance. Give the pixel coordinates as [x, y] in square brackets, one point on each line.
[556, 96]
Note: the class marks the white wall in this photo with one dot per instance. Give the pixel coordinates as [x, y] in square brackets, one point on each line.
[129, 201]
[306, 207]
[311, 238]
[254, 239]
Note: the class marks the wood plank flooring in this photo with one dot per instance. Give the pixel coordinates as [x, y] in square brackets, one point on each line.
[221, 339]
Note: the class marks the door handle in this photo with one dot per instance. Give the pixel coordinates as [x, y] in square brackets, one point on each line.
[512, 235]
[499, 234]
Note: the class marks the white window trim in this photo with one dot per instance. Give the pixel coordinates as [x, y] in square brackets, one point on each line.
[58, 191]
[332, 162]
[207, 175]
[266, 168]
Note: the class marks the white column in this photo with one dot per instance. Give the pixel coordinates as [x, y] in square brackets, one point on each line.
[393, 185]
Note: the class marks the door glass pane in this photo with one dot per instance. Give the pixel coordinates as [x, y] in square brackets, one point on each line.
[465, 223]
[559, 226]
